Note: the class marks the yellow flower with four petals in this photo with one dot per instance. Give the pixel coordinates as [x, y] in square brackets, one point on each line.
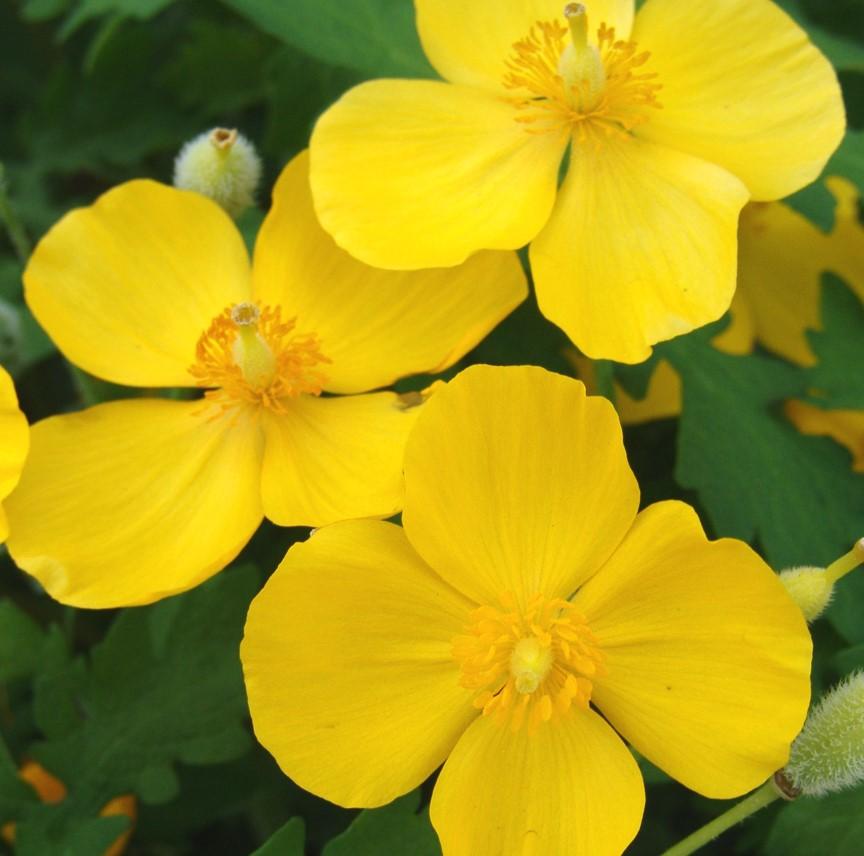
[524, 598]
[133, 500]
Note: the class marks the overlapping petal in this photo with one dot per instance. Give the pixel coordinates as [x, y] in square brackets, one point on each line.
[743, 87]
[128, 502]
[418, 174]
[351, 683]
[844, 426]
[641, 247]
[572, 787]
[14, 443]
[469, 43]
[329, 459]
[126, 286]
[375, 325]
[516, 482]
[707, 658]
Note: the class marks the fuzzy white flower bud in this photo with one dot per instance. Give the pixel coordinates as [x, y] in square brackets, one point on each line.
[223, 165]
[810, 588]
[828, 754]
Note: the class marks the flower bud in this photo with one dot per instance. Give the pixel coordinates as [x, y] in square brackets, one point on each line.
[828, 754]
[809, 588]
[223, 165]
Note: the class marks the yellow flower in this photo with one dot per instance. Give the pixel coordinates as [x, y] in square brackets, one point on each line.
[129, 501]
[673, 120]
[782, 257]
[524, 597]
[51, 790]
[14, 442]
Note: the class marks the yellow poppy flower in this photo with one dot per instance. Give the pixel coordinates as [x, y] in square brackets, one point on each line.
[524, 595]
[14, 442]
[130, 501]
[673, 119]
[50, 789]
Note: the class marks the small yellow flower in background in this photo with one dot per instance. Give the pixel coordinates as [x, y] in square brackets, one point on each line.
[130, 501]
[782, 257]
[50, 789]
[14, 443]
[673, 120]
[524, 597]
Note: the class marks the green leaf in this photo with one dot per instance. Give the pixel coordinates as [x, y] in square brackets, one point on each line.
[91, 837]
[844, 53]
[809, 826]
[758, 478]
[396, 828]
[375, 37]
[290, 840]
[163, 686]
[838, 376]
[86, 10]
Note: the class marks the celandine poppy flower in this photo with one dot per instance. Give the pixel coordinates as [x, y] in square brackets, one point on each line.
[524, 598]
[673, 120]
[14, 442]
[130, 501]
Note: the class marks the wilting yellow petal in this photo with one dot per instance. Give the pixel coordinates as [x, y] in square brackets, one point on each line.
[516, 482]
[641, 247]
[412, 174]
[707, 657]
[351, 683]
[844, 426]
[374, 325]
[126, 286]
[330, 459]
[743, 87]
[568, 787]
[14, 443]
[131, 501]
[470, 42]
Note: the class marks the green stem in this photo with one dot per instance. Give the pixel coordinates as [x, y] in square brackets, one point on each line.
[10, 220]
[757, 800]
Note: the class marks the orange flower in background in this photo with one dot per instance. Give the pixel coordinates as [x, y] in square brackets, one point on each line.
[131, 501]
[671, 118]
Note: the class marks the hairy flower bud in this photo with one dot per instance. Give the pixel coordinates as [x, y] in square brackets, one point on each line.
[828, 754]
[223, 165]
[809, 588]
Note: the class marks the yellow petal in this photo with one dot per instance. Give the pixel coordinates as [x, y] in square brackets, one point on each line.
[131, 501]
[743, 87]
[707, 657]
[414, 174]
[375, 326]
[14, 442]
[641, 247]
[571, 787]
[348, 669]
[470, 43]
[516, 482]
[126, 286]
[330, 459]
[844, 426]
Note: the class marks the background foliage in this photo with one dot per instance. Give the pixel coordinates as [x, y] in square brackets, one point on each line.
[150, 700]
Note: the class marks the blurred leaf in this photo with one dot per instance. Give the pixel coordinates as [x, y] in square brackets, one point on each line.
[395, 828]
[25, 647]
[93, 836]
[837, 377]
[809, 826]
[155, 691]
[88, 9]
[758, 478]
[288, 841]
[376, 37]
[844, 53]
[15, 796]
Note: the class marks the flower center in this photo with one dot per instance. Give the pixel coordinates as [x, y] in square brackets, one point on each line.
[529, 666]
[594, 91]
[250, 354]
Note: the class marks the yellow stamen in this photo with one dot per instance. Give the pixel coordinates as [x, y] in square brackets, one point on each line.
[249, 354]
[529, 666]
[593, 91]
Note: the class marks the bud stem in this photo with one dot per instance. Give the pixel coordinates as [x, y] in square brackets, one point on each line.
[846, 563]
[767, 794]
